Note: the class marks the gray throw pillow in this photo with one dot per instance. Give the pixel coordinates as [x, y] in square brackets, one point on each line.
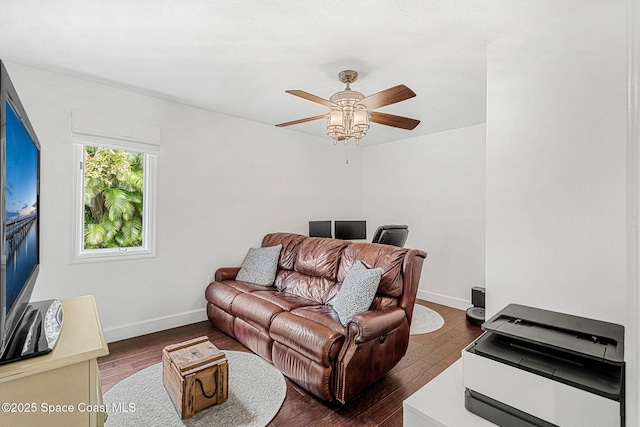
[260, 265]
[357, 292]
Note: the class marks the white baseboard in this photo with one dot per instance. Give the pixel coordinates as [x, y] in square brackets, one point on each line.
[130, 330]
[134, 329]
[459, 303]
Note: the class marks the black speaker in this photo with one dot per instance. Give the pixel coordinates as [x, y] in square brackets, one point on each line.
[477, 296]
[475, 314]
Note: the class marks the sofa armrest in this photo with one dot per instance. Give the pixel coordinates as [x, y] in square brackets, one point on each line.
[226, 273]
[376, 341]
[373, 324]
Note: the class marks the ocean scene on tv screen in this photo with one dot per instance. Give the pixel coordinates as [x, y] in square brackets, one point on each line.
[21, 232]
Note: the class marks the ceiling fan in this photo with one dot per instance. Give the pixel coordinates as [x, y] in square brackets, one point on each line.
[350, 111]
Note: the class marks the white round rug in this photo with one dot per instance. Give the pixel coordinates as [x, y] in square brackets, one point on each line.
[256, 393]
[425, 320]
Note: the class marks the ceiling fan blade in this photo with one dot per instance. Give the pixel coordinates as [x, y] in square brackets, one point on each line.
[311, 97]
[295, 122]
[393, 120]
[387, 97]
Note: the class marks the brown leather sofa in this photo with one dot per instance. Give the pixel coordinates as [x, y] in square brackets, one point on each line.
[292, 324]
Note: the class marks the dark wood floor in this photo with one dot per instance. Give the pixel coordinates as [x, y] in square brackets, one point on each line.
[381, 405]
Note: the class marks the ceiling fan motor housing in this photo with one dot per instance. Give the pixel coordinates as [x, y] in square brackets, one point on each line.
[346, 97]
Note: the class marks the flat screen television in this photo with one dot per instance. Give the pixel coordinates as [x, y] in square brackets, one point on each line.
[26, 329]
[320, 229]
[351, 230]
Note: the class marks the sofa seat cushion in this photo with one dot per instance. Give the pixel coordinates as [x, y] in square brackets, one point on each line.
[311, 339]
[324, 315]
[284, 300]
[223, 293]
[256, 311]
[243, 287]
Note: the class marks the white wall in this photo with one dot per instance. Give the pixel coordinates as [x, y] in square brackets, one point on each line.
[223, 183]
[556, 166]
[436, 185]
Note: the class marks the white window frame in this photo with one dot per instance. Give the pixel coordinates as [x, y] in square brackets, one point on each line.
[81, 138]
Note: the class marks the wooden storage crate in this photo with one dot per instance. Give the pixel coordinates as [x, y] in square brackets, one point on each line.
[195, 374]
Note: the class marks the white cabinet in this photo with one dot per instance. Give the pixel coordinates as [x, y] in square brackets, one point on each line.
[61, 388]
[440, 403]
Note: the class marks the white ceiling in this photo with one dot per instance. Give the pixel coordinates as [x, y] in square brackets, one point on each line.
[237, 57]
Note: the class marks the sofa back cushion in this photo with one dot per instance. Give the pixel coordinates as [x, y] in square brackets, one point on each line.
[318, 256]
[310, 267]
[289, 242]
[389, 258]
[314, 288]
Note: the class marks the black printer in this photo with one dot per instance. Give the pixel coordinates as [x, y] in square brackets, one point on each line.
[535, 367]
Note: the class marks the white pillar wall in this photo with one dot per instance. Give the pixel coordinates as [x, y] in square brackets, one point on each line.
[562, 171]
[556, 166]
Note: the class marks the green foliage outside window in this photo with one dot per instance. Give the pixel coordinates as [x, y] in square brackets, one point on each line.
[113, 194]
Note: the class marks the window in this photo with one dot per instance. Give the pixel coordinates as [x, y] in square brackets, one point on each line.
[114, 198]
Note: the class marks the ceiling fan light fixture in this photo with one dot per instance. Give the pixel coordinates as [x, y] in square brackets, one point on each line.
[335, 124]
[360, 121]
[346, 123]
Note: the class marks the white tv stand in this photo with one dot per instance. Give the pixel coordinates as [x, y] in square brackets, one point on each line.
[42, 391]
[440, 403]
